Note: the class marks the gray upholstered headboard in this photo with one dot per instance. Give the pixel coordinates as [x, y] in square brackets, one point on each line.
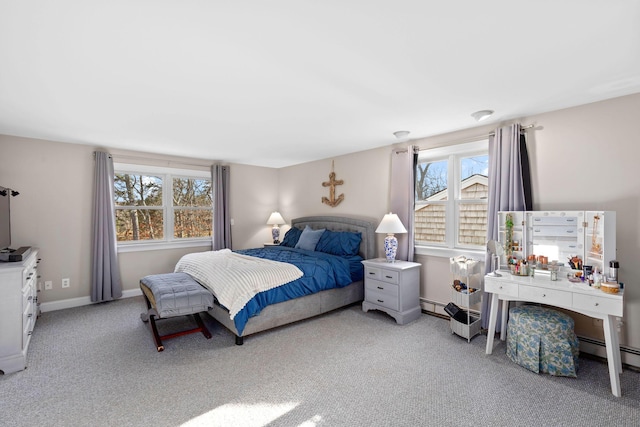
[339, 223]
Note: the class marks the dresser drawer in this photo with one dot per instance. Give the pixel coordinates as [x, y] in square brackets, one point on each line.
[598, 304]
[28, 323]
[501, 288]
[383, 299]
[546, 296]
[388, 276]
[382, 287]
[27, 298]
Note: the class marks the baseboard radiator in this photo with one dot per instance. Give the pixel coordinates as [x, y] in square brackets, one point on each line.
[630, 356]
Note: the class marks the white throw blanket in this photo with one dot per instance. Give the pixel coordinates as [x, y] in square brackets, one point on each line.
[233, 278]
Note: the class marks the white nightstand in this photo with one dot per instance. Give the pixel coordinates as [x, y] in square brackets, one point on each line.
[392, 287]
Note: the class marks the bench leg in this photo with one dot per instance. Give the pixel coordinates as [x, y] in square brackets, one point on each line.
[156, 336]
[201, 326]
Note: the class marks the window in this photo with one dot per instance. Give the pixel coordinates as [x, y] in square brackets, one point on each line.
[162, 205]
[451, 197]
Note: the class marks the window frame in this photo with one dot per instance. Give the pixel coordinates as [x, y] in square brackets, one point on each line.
[454, 155]
[167, 174]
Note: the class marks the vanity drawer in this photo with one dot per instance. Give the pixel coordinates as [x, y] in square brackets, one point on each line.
[598, 304]
[496, 287]
[545, 295]
[389, 276]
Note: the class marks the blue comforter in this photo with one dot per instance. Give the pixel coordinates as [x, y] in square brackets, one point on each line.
[321, 271]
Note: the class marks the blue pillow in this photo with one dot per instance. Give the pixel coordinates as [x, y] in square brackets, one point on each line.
[309, 238]
[291, 237]
[341, 243]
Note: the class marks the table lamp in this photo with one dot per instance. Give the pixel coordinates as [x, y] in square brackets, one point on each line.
[391, 225]
[276, 220]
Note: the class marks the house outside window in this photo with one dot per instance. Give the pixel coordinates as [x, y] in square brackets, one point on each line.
[162, 207]
[451, 198]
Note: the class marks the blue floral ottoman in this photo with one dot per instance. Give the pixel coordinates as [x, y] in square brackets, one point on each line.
[542, 340]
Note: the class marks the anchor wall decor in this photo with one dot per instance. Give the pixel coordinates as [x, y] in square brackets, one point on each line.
[332, 201]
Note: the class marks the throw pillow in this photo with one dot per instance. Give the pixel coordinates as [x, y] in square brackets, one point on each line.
[309, 238]
[291, 237]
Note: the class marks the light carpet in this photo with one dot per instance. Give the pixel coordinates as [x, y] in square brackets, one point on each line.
[97, 366]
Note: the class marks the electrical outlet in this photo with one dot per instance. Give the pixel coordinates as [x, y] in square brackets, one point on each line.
[48, 285]
[66, 282]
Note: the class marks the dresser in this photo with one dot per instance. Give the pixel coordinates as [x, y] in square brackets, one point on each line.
[578, 297]
[18, 311]
[392, 287]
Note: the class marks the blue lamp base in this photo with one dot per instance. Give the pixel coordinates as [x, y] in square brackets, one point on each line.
[275, 234]
[390, 247]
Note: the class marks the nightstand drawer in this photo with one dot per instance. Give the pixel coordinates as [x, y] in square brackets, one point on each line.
[375, 296]
[382, 287]
[382, 274]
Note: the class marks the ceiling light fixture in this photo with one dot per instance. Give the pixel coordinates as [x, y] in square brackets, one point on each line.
[482, 115]
[401, 135]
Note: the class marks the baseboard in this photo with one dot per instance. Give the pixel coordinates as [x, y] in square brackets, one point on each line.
[80, 301]
[630, 356]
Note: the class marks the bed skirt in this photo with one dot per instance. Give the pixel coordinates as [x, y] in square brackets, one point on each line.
[293, 310]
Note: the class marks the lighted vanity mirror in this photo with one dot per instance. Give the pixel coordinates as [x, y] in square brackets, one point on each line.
[559, 236]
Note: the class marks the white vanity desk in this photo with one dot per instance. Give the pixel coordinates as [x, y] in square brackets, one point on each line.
[577, 297]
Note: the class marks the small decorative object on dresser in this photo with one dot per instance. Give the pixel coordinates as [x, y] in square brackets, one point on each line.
[392, 288]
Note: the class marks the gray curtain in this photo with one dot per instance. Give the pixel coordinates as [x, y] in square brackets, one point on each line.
[221, 218]
[509, 188]
[402, 196]
[106, 284]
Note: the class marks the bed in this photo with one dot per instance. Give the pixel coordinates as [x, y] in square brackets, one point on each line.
[311, 304]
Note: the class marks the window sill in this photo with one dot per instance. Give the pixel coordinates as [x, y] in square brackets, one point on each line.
[156, 246]
[449, 252]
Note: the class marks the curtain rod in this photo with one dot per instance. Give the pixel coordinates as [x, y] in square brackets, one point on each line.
[157, 161]
[462, 141]
[522, 129]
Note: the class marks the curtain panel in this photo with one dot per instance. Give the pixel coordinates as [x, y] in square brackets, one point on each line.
[221, 217]
[106, 284]
[509, 188]
[402, 196]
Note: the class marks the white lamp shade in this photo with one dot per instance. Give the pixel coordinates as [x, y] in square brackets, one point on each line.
[391, 224]
[275, 219]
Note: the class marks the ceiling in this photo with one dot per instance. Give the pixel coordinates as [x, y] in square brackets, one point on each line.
[277, 83]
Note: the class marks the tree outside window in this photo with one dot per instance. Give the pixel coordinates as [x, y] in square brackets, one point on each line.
[192, 213]
[162, 207]
[139, 207]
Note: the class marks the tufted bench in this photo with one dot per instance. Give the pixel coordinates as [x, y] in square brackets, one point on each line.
[171, 295]
[542, 340]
